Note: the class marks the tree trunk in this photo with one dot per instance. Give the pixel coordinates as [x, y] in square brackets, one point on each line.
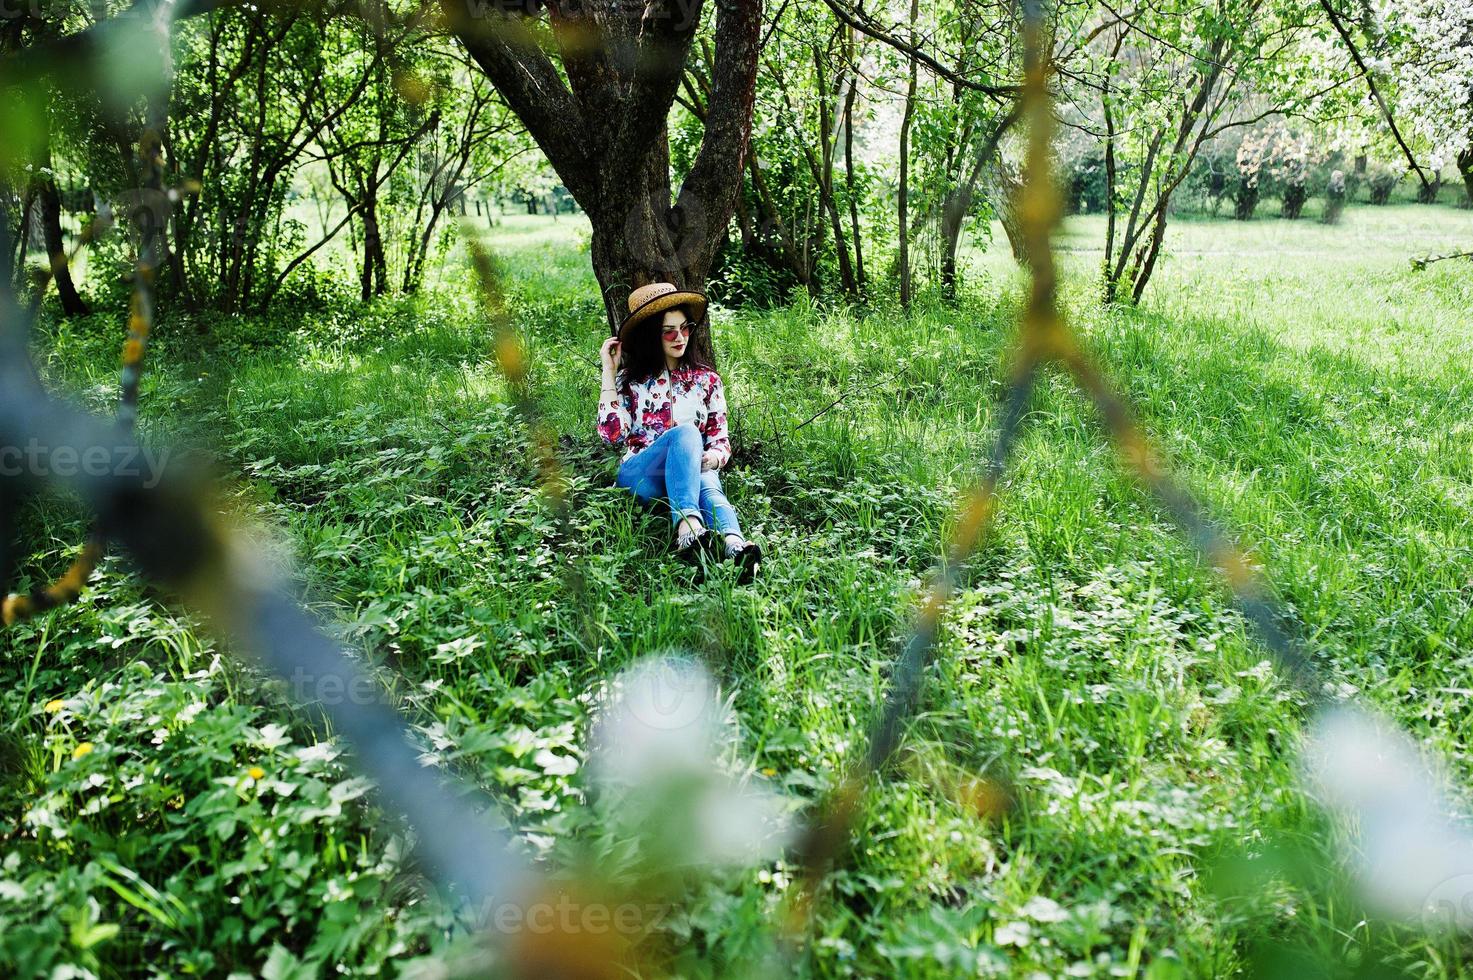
[836, 224]
[375, 275]
[958, 202]
[61, 273]
[772, 223]
[1293, 203]
[601, 123]
[7, 230]
[903, 207]
[1465, 167]
[825, 171]
[954, 210]
[1111, 185]
[23, 238]
[744, 225]
[1004, 185]
[821, 169]
[1151, 250]
[5, 195]
[1137, 258]
[44, 188]
[639, 238]
[854, 230]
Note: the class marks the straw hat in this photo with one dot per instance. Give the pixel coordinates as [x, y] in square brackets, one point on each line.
[651, 301]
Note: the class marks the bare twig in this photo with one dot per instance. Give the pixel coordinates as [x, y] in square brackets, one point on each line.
[1426, 260]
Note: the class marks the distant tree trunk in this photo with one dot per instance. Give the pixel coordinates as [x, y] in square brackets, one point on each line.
[1382, 183]
[441, 191]
[43, 183]
[1357, 176]
[375, 275]
[7, 271]
[772, 223]
[1294, 197]
[61, 273]
[5, 230]
[1112, 177]
[827, 137]
[601, 123]
[1148, 255]
[903, 206]
[1111, 189]
[1465, 167]
[958, 202]
[1004, 184]
[1137, 259]
[1334, 198]
[22, 237]
[854, 232]
[765, 232]
[744, 224]
[950, 241]
[359, 184]
[821, 166]
[954, 208]
[1427, 192]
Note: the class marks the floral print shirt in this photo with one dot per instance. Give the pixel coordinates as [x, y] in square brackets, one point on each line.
[635, 414]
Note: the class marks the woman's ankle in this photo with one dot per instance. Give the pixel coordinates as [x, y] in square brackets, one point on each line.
[687, 530]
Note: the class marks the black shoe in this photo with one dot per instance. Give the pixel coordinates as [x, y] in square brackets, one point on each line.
[746, 559]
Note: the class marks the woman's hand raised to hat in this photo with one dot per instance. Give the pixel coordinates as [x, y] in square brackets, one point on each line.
[610, 354]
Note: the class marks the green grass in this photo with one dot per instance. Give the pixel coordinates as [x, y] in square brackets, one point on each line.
[1303, 379]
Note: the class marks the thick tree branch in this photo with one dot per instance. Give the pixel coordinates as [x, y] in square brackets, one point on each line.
[710, 189]
[506, 50]
[658, 63]
[956, 207]
[1365, 71]
[864, 25]
[584, 37]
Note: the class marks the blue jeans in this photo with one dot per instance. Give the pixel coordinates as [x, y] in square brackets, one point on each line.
[670, 468]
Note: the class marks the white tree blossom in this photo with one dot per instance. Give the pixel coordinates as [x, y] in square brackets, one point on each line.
[1425, 47]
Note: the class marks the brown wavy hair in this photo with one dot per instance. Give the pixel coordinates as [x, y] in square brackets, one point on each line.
[643, 356]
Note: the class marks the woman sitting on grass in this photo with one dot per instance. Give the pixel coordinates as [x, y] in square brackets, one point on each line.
[662, 400]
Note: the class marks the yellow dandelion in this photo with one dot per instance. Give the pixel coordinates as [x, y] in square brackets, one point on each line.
[54, 705]
[769, 771]
[256, 772]
[81, 750]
